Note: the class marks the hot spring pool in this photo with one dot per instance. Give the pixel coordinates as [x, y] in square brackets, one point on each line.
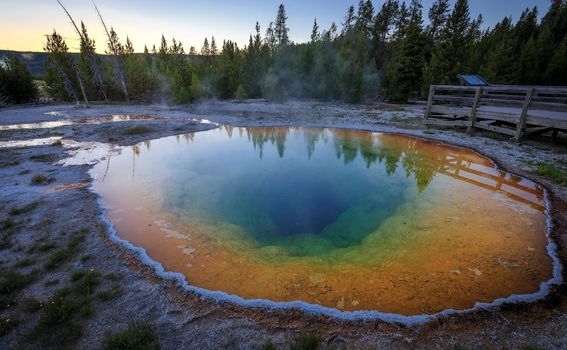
[345, 219]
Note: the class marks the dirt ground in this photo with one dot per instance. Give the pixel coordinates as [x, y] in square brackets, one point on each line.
[39, 238]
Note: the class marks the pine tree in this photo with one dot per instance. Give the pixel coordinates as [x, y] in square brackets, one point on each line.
[214, 50]
[451, 56]
[60, 69]
[315, 36]
[525, 29]
[383, 23]
[556, 73]
[281, 31]
[438, 15]
[205, 49]
[270, 36]
[257, 38]
[117, 49]
[402, 21]
[163, 48]
[499, 65]
[16, 82]
[410, 62]
[365, 18]
[129, 48]
[348, 23]
[91, 65]
[526, 66]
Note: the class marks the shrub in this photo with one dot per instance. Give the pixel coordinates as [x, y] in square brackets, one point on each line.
[139, 336]
[306, 341]
[137, 130]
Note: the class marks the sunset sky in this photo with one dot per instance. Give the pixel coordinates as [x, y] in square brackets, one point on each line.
[24, 23]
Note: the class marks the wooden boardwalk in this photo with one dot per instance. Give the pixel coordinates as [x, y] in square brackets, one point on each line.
[517, 111]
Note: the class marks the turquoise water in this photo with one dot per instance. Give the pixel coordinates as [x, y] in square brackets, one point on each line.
[307, 191]
[348, 219]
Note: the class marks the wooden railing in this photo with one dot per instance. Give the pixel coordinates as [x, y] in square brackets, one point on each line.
[512, 110]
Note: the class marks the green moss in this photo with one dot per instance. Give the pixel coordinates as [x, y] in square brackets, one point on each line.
[137, 336]
[550, 171]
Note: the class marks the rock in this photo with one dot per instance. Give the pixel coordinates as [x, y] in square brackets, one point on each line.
[476, 272]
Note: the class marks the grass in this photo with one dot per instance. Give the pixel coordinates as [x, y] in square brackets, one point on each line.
[6, 324]
[7, 224]
[138, 335]
[550, 171]
[59, 323]
[41, 246]
[51, 282]
[32, 305]
[40, 179]
[23, 210]
[62, 255]
[46, 158]
[305, 341]
[268, 345]
[5, 242]
[12, 281]
[56, 326]
[57, 143]
[137, 130]
[25, 262]
[9, 163]
[110, 294]
[113, 276]
[408, 120]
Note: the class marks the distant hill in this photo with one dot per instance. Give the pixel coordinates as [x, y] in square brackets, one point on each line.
[35, 61]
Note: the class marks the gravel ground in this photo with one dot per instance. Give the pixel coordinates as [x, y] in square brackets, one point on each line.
[63, 208]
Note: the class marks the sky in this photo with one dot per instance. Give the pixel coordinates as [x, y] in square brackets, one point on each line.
[24, 23]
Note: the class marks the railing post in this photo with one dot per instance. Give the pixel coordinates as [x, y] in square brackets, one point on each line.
[472, 116]
[523, 116]
[429, 101]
